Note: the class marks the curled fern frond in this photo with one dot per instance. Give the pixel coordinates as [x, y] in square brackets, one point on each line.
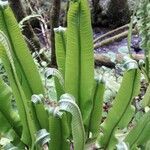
[58, 129]
[27, 18]
[54, 72]
[130, 64]
[42, 115]
[42, 137]
[68, 105]
[10, 146]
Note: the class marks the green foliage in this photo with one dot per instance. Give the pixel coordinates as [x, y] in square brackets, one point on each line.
[18, 93]
[67, 120]
[98, 92]
[59, 131]
[68, 105]
[121, 105]
[79, 71]
[22, 73]
[146, 99]
[143, 14]
[9, 118]
[60, 35]
[139, 135]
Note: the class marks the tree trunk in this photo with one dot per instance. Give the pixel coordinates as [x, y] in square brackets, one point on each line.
[20, 13]
[54, 22]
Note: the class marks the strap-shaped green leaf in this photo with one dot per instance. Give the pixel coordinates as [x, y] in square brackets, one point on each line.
[146, 99]
[25, 67]
[58, 78]
[60, 44]
[121, 112]
[41, 113]
[19, 102]
[72, 67]
[59, 132]
[28, 121]
[11, 120]
[139, 135]
[96, 113]
[86, 61]
[147, 146]
[25, 70]
[68, 105]
[79, 71]
[144, 26]
[5, 105]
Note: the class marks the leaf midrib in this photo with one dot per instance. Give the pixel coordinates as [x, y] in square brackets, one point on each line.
[111, 133]
[12, 45]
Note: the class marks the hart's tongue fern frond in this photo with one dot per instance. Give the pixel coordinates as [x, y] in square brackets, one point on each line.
[67, 104]
[86, 62]
[96, 114]
[79, 65]
[122, 111]
[140, 133]
[59, 131]
[22, 72]
[16, 87]
[26, 69]
[60, 44]
[9, 119]
[72, 72]
[144, 27]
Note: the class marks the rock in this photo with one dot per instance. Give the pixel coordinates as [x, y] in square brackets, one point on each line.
[111, 13]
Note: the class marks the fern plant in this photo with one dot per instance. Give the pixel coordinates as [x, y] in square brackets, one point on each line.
[144, 27]
[122, 111]
[17, 62]
[73, 120]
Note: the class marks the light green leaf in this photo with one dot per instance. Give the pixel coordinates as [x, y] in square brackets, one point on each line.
[67, 104]
[121, 112]
[139, 135]
[9, 118]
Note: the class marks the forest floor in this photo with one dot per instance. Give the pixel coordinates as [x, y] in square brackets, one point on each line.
[115, 46]
[112, 86]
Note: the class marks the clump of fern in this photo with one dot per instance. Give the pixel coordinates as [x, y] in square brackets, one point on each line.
[143, 14]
